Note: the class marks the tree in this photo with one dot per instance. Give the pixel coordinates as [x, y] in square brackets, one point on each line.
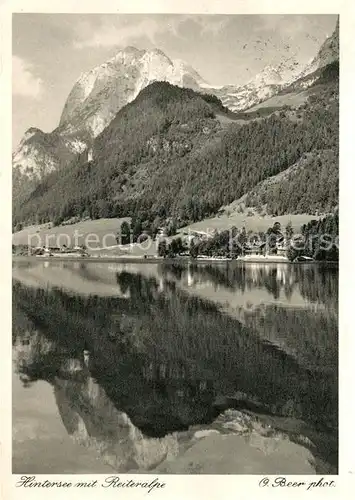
[137, 228]
[171, 231]
[124, 234]
[292, 253]
[193, 250]
[103, 209]
[57, 220]
[94, 211]
[162, 248]
[155, 226]
[242, 239]
[176, 247]
[289, 231]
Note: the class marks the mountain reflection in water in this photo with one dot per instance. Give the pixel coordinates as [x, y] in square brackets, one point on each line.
[172, 345]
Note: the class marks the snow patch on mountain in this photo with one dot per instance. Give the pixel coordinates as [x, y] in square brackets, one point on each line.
[76, 145]
[33, 162]
[262, 86]
[99, 94]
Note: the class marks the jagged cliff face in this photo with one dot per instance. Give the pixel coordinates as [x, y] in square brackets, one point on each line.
[329, 51]
[98, 95]
[39, 153]
[274, 79]
[264, 85]
[91, 419]
[87, 413]
[327, 54]
[94, 101]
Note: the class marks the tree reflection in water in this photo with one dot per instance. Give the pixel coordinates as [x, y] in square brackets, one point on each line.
[162, 356]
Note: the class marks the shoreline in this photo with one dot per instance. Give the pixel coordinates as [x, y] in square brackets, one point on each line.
[156, 260]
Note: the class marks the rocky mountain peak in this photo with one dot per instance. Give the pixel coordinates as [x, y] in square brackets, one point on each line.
[270, 75]
[328, 52]
[131, 49]
[32, 130]
[101, 92]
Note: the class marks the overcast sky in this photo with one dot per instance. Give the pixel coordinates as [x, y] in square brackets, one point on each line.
[50, 51]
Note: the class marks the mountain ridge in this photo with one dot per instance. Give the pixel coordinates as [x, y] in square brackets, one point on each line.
[327, 54]
[168, 154]
[111, 85]
[98, 94]
[192, 128]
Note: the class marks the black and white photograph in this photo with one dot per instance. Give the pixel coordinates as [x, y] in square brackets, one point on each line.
[175, 249]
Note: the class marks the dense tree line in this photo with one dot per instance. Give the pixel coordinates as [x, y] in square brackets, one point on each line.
[311, 187]
[320, 239]
[165, 155]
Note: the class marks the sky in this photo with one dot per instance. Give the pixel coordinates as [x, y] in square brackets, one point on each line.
[50, 51]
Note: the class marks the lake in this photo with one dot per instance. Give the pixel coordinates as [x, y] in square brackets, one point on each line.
[119, 366]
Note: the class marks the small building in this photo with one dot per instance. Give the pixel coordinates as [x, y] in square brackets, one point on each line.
[162, 232]
[281, 247]
[51, 250]
[255, 249]
[62, 252]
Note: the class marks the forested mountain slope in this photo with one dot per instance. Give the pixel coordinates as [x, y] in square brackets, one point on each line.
[167, 155]
[309, 186]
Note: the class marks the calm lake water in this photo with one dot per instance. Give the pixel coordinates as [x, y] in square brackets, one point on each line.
[110, 359]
